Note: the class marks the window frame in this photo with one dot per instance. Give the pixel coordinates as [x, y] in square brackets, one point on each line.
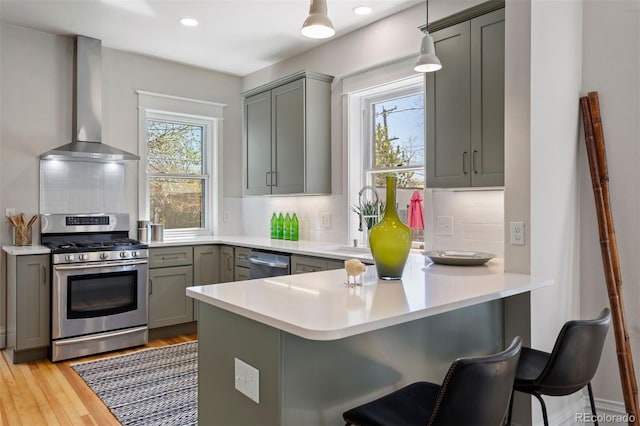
[385, 94]
[360, 131]
[193, 112]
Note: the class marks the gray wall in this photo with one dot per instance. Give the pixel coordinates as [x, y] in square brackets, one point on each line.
[36, 71]
[556, 54]
[611, 66]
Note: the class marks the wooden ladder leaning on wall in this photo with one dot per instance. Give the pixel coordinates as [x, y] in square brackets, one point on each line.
[594, 139]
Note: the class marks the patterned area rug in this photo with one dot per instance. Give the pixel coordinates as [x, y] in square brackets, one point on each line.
[156, 386]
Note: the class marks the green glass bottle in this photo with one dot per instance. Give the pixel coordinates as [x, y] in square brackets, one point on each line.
[287, 227]
[390, 239]
[294, 228]
[274, 226]
[280, 226]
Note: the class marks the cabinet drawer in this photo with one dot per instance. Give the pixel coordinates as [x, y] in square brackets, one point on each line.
[242, 257]
[335, 264]
[170, 256]
[241, 274]
[304, 264]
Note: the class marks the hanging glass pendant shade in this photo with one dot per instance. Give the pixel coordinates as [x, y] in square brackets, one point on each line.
[317, 25]
[427, 61]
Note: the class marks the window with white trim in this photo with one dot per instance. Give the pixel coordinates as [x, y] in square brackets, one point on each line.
[180, 168]
[386, 135]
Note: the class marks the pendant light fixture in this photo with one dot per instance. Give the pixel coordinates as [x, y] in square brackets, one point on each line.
[317, 24]
[427, 61]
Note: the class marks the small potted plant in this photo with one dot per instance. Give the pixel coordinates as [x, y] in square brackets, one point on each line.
[369, 212]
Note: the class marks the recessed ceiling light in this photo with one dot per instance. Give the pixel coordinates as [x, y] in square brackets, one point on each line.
[189, 22]
[362, 10]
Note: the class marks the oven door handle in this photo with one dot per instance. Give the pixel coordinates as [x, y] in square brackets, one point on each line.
[99, 265]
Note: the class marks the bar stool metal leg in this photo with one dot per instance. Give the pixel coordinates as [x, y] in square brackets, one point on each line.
[544, 408]
[593, 405]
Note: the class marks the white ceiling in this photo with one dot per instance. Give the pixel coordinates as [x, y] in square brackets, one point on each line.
[234, 36]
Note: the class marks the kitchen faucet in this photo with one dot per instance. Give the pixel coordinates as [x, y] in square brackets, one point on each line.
[361, 209]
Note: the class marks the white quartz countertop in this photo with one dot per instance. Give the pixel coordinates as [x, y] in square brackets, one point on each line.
[25, 250]
[320, 306]
[307, 248]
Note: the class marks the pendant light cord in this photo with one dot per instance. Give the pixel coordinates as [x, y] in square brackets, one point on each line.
[426, 25]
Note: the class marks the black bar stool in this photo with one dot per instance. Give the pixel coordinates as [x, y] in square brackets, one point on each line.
[569, 367]
[475, 391]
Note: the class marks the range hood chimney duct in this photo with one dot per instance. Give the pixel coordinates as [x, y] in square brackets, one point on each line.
[87, 110]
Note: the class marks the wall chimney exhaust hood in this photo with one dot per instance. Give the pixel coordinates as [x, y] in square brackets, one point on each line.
[87, 110]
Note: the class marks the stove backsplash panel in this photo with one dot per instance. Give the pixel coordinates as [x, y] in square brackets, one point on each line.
[81, 187]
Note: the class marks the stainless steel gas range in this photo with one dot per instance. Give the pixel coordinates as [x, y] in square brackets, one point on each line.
[99, 284]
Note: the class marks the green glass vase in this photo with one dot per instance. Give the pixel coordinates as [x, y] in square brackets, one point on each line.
[390, 239]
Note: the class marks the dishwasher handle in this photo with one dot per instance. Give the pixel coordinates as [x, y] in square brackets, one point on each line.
[258, 261]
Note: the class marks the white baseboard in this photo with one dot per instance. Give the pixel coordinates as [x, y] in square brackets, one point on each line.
[610, 413]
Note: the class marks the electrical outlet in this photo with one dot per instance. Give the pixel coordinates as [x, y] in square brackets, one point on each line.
[517, 233]
[325, 220]
[247, 380]
[226, 216]
[444, 225]
[10, 212]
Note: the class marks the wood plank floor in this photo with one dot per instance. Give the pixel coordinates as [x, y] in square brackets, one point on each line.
[46, 393]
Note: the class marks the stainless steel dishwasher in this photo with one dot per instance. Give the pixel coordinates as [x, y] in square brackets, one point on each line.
[267, 264]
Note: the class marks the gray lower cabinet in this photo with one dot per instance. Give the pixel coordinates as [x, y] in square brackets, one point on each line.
[287, 143]
[28, 306]
[304, 264]
[226, 264]
[465, 105]
[242, 265]
[206, 268]
[206, 264]
[170, 273]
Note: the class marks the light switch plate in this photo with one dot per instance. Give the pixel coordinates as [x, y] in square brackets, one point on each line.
[247, 380]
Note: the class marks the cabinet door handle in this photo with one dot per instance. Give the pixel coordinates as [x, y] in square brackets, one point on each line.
[150, 286]
[473, 161]
[170, 257]
[464, 162]
[267, 183]
[44, 274]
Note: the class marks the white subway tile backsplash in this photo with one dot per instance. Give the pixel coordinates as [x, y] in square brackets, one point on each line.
[478, 220]
[81, 187]
[483, 232]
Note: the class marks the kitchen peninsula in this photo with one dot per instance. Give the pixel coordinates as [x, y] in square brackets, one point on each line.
[322, 347]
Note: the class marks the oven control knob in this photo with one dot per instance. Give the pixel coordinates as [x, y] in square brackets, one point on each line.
[104, 255]
[135, 254]
[69, 258]
[124, 254]
[84, 256]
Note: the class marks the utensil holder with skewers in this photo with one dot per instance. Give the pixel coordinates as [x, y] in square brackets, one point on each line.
[22, 229]
[22, 236]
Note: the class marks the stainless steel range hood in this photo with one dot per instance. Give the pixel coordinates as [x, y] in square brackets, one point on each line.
[87, 110]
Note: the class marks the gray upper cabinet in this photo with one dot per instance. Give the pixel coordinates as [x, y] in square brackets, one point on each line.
[287, 144]
[465, 105]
